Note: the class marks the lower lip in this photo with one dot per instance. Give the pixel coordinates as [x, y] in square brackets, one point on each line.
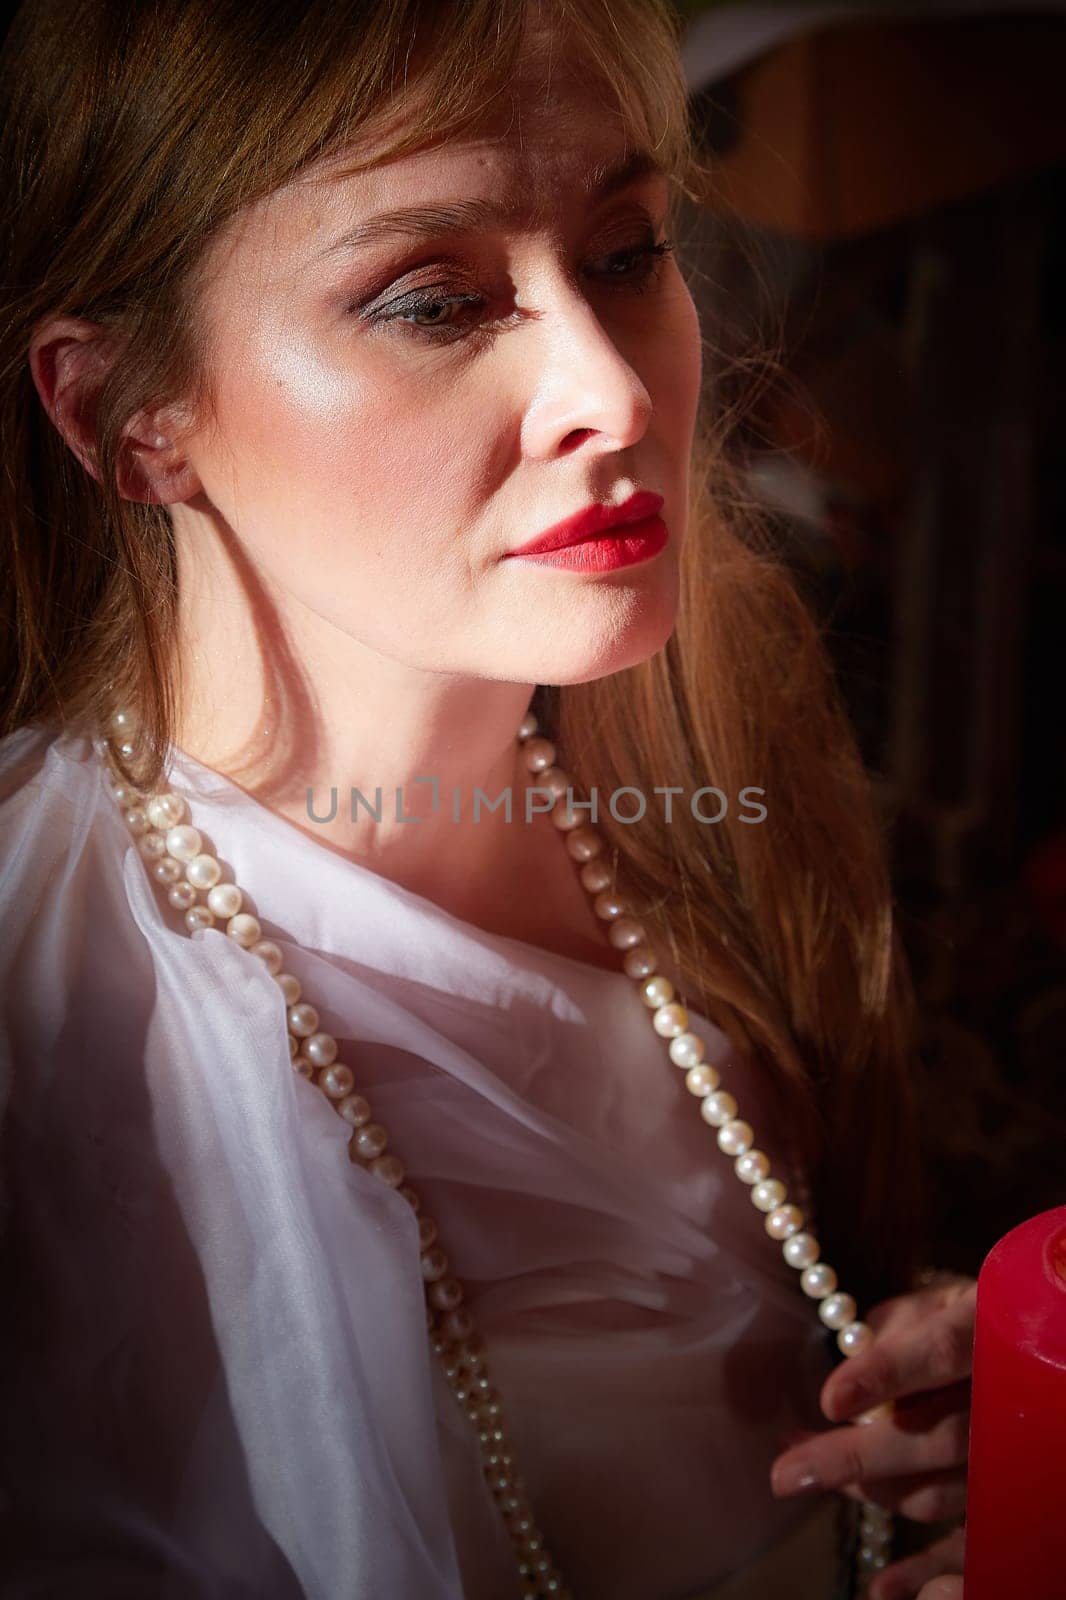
[639, 542]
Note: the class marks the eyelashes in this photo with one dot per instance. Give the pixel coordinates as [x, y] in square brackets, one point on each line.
[641, 269]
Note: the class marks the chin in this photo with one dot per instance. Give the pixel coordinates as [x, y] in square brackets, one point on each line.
[633, 628]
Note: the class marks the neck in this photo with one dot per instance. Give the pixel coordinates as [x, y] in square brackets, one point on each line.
[300, 714]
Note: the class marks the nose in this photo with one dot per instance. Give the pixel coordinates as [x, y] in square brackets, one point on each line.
[585, 390]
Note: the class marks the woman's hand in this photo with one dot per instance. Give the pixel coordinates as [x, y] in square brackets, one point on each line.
[909, 1454]
[942, 1589]
[937, 1569]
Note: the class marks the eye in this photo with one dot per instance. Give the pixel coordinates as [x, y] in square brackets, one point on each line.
[642, 265]
[431, 314]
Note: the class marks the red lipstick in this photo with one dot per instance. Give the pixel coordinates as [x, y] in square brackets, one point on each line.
[602, 537]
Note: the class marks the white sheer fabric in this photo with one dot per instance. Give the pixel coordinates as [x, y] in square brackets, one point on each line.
[216, 1376]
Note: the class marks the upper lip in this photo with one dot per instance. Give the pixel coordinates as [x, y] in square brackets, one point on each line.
[593, 521]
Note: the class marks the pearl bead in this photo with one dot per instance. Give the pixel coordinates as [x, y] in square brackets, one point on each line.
[321, 1048]
[124, 794]
[168, 870]
[427, 1232]
[302, 1067]
[735, 1137]
[244, 929]
[555, 780]
[718, 1108]
[837, 1309]
[472, 1352]
[389, 1169]
[184, 842]
[198, 917]
[124, 722]
[584, 843]
[434, 1264]
[336, 1080]
[609, 905]
[293, 1045]
[639, 963]
[153, 846]
[225, 899]
[625, 933]
[539, 754]
[289, 986]
[854, 1337]
[687, 1049]
[528, 726]
[783, 1221]
[566, 817]
[670, 1020]
[127, 750]
[818, 1280]
[801, 1249]
[371, 1140]
[490, 1410]
[445, 1294]
[768, 1194]
[203, 872]
[303, 1020]
[137, 820]
[701, 1079]
[596, 875]
[165, 810]
[458, 1324]
[752, 1167]
[657, 991]
[355, 1110]
[269, 954]
[182, 895]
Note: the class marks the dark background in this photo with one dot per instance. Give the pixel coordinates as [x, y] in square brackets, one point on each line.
[890, 229]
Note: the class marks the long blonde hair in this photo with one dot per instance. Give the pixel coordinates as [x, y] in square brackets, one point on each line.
[130, 134]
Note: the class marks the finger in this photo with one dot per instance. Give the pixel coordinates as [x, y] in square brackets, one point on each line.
[926, 1438]
[931, 1355]
[903, 1579]
[924, 1497]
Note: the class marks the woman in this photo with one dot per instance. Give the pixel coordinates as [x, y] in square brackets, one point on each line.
[274, 463]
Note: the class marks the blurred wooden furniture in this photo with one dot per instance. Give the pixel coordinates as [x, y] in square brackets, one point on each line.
[859, 125]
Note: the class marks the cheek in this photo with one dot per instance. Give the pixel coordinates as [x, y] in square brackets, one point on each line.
[362, 466]
[677, 366]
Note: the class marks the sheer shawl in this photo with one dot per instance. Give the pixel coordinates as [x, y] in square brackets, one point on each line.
[216, 1375]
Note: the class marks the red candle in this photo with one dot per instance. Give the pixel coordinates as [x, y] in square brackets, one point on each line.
[1016, 1493]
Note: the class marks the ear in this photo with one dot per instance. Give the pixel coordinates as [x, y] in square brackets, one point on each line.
[70, 358]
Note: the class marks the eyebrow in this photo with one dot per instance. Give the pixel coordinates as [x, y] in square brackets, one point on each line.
[599, 182]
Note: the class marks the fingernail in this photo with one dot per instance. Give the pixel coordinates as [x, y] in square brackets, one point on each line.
[796, 1476]
[886, 1409]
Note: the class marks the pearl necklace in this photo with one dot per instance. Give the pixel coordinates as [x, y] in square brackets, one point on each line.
[192, 877]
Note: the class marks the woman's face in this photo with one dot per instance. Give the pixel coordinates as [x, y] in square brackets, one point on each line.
[394, 415]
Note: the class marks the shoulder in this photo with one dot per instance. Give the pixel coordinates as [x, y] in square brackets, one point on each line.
[63, 848]
[42, 765]
[57, 817]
